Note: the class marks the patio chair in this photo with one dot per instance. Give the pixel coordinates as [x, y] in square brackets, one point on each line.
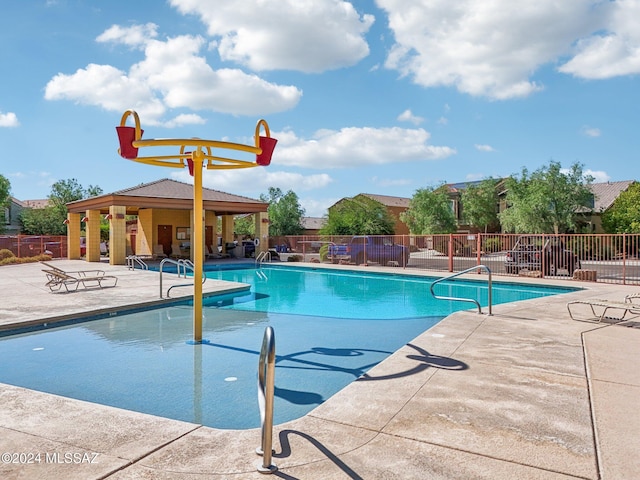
[158, 252]
[211, 253]
[175, 251]
[58, 278]
[620, 308]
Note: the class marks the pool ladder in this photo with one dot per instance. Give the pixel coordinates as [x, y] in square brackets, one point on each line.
[262, 257]
[266, 387]
[182, 266]
[133, 260]
[471, 300]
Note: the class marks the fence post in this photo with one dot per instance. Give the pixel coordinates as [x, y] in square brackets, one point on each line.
[450, 253]
[624, 258]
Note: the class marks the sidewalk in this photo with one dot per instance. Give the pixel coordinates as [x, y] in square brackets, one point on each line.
[526, 393]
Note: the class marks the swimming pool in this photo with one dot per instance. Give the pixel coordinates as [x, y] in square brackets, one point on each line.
[330, 328]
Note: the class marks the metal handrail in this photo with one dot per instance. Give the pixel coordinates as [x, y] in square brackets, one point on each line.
[133, 259]
[181, 265]
[471, 300]
[262, 256]
[266, 387]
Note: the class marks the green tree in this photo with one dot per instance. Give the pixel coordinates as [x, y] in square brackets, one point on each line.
[285, 212]
[42, 221]
[244, 225]
[547, 200]
[5, 190]
[49, 220]
[430, 212]
[360, 215]
[480, 205]
[624, 214]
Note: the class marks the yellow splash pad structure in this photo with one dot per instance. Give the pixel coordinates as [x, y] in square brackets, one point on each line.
[195, 154]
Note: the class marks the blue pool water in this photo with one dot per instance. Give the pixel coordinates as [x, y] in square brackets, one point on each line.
[330, 328]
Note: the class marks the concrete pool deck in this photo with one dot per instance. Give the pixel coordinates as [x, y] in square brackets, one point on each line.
[526, 393]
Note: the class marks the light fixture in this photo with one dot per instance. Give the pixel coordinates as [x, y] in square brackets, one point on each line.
[108, 216]
[85, 219]
[66, 221]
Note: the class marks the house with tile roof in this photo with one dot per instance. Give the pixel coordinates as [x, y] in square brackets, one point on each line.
[13, 210]
[604, 195]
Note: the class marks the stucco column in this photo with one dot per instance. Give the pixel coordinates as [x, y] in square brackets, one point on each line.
[262, 231]
[73, 236]
[144, 239]
[92, 230]
[117, 236]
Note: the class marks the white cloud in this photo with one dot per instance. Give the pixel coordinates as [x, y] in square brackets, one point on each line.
[309, 36]
[107, 87]
[9, 119]
[612, 51]
[185, 119]
[484, 148]
[408, 116]
[134, 36]
[252, 182]
[357, 146]
[591, 131]
[493, 48]
[172, 75]
[598, 175]
[317, 207]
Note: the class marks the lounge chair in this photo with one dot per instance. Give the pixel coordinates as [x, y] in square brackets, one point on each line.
[175, 251]
[58, 278]
[158, 252]
[620, 309]
[211, 254]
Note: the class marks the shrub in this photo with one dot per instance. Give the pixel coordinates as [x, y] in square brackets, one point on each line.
[324, 251]
[13, 260]
[6, 253]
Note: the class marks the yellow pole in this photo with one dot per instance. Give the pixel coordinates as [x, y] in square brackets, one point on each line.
[197, 242]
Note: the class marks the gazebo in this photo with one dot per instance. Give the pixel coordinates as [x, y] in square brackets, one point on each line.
[164, 211]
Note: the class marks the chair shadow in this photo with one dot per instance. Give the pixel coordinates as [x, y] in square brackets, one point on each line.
[426, 359]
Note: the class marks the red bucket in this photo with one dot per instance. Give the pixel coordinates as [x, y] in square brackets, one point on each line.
[126, 136]
[267, 144]
[190, 165]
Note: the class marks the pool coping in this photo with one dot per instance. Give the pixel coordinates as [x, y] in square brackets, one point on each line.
[396, 427]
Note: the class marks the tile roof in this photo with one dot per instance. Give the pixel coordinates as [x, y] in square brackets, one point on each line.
[389, 201]
[313, 223]
[167, 188]
[606, 193]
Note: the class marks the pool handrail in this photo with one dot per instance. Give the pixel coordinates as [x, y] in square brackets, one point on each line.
[266, 388]
[182, 266]
[471, 300]
[262, 256]
[132, 260]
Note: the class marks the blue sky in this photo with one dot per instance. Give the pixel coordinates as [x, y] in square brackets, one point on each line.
[375, 96]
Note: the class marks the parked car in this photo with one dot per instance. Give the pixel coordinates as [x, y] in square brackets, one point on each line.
[363, 248]
[549, 257]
